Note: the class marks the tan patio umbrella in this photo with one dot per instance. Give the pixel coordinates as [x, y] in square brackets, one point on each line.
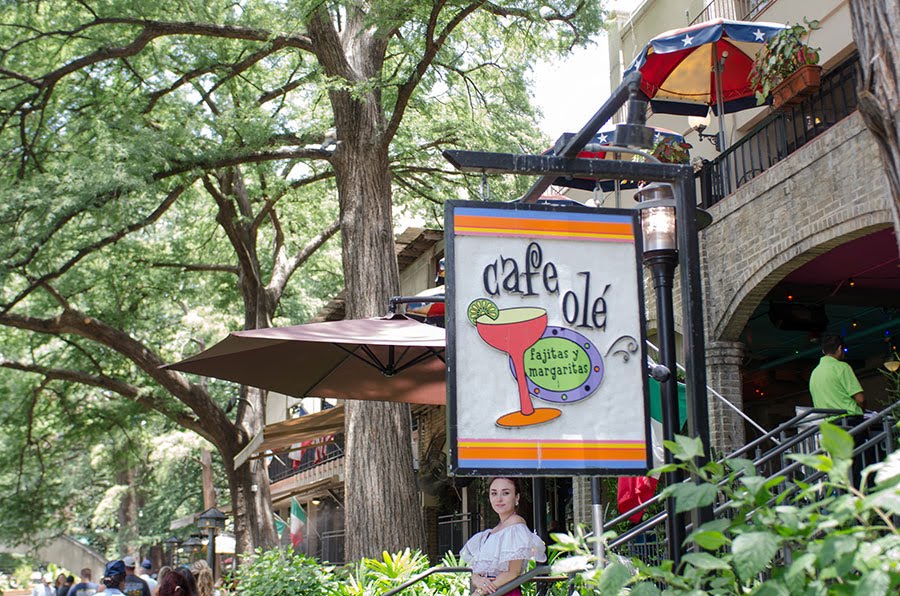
[391, 358]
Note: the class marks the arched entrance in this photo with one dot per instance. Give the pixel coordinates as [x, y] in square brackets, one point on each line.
[852, 290]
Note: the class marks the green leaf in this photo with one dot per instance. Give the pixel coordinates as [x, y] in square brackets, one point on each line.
[741, 465]
[614, 578]
[836, 441]
[691, 496]
[705, 561]
[772, 588]
[689, 447]
[752, 552]
[709, 540]
[645, 589]
[820, 463]
[874, 583]
[887, 500]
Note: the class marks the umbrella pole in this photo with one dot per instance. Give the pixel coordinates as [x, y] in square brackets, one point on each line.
[718, 68]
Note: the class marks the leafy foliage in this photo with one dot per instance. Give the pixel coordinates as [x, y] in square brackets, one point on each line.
[281, 572]
[782, 54]
[776, 538]
[173, 171]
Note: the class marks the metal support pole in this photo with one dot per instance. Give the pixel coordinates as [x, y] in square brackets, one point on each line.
[539, 505]
[662, 267]
[692, 316]
[597, 514]
[577, 143]
[211, 551]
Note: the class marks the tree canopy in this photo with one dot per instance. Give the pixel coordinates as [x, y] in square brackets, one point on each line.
[175, 170]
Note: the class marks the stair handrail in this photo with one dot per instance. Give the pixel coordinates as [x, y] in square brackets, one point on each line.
[417, 578]
[500, 591]
[810, 413]
[780, 449]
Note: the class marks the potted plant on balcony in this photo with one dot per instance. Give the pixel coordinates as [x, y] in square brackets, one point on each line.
[786, 68]
[670, 150]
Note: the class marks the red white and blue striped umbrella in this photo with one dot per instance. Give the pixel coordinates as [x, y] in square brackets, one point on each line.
[708, 65]
[679, 73]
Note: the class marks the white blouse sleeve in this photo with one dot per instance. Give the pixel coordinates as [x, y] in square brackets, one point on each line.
[517, 542]
[490, 554]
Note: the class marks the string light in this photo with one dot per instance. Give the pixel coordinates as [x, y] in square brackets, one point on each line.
[851, 282]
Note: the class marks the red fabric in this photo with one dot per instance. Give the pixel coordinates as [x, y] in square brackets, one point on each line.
[321, 451]
[632, 491]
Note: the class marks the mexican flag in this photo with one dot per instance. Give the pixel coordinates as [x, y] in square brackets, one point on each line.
[280, 525]
[634, 490]
[298, 522]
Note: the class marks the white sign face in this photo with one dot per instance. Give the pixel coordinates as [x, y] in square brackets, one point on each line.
[545, 340]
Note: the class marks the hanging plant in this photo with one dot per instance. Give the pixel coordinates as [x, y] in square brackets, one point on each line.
[671, 150]
[782, 56]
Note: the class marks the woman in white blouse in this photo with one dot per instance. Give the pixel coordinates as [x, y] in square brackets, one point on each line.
[497, 556]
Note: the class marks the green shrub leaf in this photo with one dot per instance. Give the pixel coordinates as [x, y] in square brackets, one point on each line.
[752, 552]
[836, 441]
[705, 561]
[614, 579]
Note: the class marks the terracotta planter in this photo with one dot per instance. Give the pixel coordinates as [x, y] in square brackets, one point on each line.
[801, 83]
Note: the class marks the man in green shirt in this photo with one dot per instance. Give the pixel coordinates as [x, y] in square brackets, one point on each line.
[833, 385]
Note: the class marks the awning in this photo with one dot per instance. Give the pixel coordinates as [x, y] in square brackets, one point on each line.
[281, 436]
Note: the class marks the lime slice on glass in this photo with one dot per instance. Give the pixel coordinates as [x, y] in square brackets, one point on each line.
[482, 307]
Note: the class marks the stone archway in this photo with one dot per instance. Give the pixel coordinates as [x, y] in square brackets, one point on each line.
[830, 192]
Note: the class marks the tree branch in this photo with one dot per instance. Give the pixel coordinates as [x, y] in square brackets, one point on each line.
[95, 246]
[432, 46]
[233, 160]
[101, 381]
[285, 267]
[195, 267]
[217, 427]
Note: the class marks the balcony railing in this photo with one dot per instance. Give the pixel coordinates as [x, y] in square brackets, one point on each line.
[735, 10]
[453, 531]
[781, 134]
[282, 467]
[331, 547]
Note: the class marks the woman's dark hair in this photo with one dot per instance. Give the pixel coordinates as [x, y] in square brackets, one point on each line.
[175, 579]
[515, 482]
[113, 582]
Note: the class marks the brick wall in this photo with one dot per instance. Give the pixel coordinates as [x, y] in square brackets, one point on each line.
[830, 191]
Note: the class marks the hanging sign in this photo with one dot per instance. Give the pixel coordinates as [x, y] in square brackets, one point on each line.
[545, 340]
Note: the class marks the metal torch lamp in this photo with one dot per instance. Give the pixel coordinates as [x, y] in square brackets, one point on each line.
[659, 231]
[212, 521]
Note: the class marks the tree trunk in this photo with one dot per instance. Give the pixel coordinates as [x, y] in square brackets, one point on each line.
[381, 506]
[875, 26]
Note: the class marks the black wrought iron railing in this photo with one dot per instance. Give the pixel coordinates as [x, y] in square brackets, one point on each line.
[781, 134]
[331, 547]
[798, 435]
[735, 10]
[308, 457]
[453, 531]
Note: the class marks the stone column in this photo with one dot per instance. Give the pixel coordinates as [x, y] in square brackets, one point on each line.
[723, 369]
[581, 501]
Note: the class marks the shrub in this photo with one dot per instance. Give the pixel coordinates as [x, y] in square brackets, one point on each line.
[837, 539]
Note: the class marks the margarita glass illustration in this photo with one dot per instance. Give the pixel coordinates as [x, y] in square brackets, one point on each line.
[513, 330]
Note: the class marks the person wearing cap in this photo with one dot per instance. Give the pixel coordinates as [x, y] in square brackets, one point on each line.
[85, 587]
[144, 574]
[134, 586]
[42, 585]
[114, 578]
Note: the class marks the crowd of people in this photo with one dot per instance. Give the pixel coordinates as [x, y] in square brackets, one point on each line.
[122, 576]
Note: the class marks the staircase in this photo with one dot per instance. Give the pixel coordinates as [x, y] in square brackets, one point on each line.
[769, 453]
